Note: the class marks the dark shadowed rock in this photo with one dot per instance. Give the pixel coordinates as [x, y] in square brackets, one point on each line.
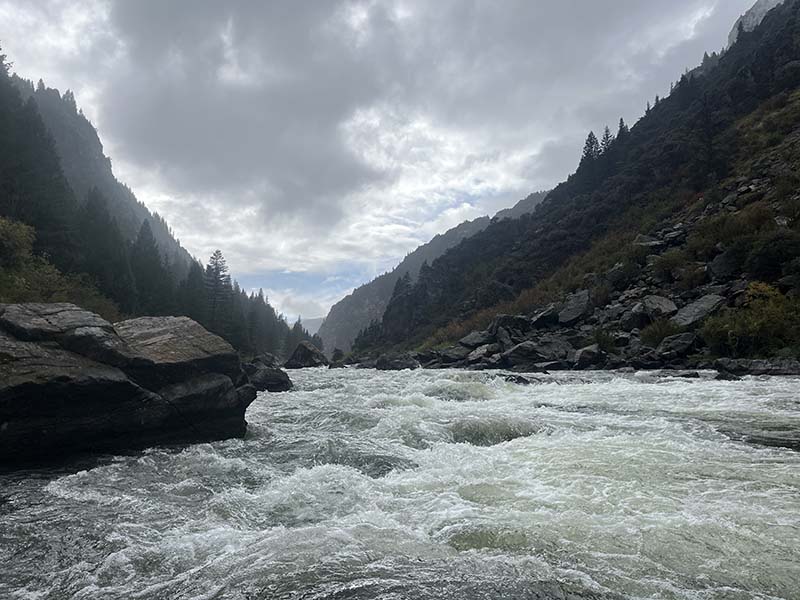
[518, 379]
[513, 324]
[725, 266]
[476, 338]
[396, 363]
[587, 357]
[697, 311]
[58, 396]
[575, 308]
[267, 378]
[546, 317]
[482, 352]
[306, 355]
[635, 318]
[741, 366]
[267, 359]
[676, 346]
[523, 355]
[454, 354]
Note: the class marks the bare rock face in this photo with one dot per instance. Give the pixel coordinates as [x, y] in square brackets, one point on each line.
[696, 312]
[306, 355]
[71, 382]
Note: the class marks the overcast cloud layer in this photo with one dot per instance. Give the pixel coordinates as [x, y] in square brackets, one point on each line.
[316, 143]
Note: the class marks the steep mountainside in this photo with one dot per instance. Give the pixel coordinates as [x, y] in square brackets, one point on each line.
[367, 303]
[85, 165]
[752, 18]
[682, 154]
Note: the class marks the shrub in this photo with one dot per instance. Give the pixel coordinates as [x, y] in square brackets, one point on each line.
[766, 323]
[770, 252]
[667, 263]
[604, 340]
[653, 334]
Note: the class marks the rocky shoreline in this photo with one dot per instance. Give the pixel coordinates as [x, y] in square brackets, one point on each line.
[72, 382]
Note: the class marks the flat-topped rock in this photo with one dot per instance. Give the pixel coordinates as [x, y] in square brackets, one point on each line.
[698, 311]
[72, 382]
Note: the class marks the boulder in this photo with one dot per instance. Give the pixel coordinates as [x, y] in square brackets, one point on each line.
[587, 357]
[483, 352]
[697, 311]
[306, 355]
[476, 338]
[658, 307]
[454, 354]
[546, 317]
[575, 308]
[268, 360]
[396, 363]
[524, 354]
[72, 382]
[513, 324]
[725, 266]
[267, 378]
[676, 346]
[175, 349]
[645, 241]
[741, 366]
[635, 317]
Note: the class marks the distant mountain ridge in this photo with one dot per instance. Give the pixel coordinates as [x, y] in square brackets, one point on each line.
[85, 165]
[368, 302]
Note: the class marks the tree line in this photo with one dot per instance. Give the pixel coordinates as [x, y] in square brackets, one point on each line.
[83, 241]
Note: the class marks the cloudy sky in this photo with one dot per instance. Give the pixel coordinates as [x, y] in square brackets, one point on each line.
[318, 142]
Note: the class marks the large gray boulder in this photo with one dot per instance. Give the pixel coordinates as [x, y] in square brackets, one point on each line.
[696, 312]
[306, 355]
[658, 307]
[476, 338]
[71, 382]
[575, 308]
[590, 356]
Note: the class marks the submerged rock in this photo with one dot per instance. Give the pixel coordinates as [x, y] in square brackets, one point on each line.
[70, 381]
[306, 355]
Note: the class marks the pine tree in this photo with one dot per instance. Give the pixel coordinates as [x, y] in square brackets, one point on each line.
[622, 131]
[607, 139]
[191, 295]
[218, 293]
[591, 149]
[153, 282]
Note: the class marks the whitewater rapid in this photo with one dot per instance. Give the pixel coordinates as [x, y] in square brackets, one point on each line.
[435, 484]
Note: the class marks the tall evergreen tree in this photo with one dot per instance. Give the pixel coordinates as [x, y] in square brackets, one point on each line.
[218, 294]
[191, 295]
[153, 282]
[605, 141]
[591, 149]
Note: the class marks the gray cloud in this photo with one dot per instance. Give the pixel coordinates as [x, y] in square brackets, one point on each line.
[327, 136]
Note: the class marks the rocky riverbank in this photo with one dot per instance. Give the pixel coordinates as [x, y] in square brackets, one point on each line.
[72, 382]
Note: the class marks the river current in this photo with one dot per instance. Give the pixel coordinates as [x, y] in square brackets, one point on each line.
[435, 484]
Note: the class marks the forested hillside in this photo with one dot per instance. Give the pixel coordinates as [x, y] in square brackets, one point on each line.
[367, 303]
[671, 166]
[75, 243]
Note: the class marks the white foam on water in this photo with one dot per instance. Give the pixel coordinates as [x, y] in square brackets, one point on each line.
[437, 484]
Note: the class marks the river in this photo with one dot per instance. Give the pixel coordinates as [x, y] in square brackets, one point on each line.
[435, 484]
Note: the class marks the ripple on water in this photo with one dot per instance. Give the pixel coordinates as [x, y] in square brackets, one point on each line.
[423, 484]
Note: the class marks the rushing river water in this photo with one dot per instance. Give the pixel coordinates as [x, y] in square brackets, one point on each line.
[435, 484]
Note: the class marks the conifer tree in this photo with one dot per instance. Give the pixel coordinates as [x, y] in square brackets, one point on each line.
[218, 293]
[153, 282]
[591, 149]
[607, 139]
[191, 295]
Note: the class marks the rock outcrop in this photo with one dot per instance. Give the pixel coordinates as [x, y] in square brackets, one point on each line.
[396, 363]
[306, 355]
[70, 382]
